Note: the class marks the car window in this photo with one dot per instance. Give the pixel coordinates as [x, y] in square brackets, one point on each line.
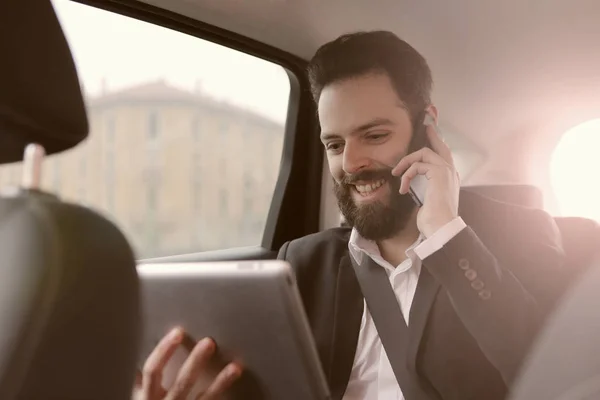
[186, 136]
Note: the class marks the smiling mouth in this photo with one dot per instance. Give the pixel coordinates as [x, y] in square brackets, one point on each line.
[369, 188]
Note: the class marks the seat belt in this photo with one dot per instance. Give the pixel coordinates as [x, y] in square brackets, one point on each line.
[389, 321]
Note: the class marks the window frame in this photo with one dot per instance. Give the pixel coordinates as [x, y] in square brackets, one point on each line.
[295, 206]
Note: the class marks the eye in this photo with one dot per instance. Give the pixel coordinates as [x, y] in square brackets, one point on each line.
[334, 147]
[376, 136]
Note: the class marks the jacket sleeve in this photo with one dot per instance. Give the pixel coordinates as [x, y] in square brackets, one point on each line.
[502, 303]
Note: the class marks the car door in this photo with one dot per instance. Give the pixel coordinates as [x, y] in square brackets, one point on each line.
[203, 144]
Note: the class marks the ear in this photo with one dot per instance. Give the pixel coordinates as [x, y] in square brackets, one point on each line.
[433, 112]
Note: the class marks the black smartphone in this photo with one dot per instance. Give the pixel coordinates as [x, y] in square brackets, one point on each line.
[418, 185]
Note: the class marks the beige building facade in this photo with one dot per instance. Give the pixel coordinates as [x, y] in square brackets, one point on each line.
[177, 171]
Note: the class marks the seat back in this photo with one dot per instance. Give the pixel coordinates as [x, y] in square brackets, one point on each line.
[28, 287]
[69, 316]
[523, 195]
[563, 363]
[580, 239]
[69, 307]
[579, 235]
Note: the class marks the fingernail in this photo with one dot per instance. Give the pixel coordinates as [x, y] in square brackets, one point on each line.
[176, 334]
[207, 343]
[233, 371]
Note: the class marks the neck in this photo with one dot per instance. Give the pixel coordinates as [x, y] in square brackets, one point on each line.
[393, 250]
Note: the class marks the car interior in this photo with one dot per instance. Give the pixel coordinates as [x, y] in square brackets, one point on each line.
[184, 130]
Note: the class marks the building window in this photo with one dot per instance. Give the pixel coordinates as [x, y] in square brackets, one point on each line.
[223, 168]
[196, 181]
[151, 198]
[196, 164]
[223, 130]
[109, 179]
[224, 202]
[195, 128]
[153, 125]
[197, 197]
[110, 131]
[248, 192]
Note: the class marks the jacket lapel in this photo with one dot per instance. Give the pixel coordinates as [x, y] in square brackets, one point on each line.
[348, 310]
[347, 315]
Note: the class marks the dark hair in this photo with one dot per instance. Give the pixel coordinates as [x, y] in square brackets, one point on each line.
[361, 53]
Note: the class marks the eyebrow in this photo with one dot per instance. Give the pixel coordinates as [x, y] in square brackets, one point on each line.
[364, 127]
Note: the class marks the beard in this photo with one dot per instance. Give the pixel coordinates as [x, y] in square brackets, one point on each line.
[376, 220]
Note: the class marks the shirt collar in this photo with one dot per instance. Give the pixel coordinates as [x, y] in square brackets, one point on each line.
[359, 246]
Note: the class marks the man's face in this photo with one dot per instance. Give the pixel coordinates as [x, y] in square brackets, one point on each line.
[366, 131]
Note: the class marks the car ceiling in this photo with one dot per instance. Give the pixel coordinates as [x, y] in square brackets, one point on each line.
[500, 68]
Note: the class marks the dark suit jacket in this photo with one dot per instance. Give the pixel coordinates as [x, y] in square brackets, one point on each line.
[465, 341]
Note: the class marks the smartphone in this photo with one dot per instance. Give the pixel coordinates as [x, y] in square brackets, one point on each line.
[418, 185]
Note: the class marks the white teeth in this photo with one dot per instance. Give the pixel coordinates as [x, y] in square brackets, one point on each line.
[367, 189]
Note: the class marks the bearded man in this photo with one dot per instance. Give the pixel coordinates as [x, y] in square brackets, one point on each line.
[472, 278]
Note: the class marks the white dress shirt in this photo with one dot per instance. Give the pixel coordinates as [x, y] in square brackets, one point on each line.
[372, 377]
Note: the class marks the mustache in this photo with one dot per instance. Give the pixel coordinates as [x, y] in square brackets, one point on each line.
[368, 175]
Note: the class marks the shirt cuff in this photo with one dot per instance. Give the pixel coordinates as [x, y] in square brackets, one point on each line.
[440, 238]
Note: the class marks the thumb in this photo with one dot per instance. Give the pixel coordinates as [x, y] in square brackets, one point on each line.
[136, 393]
[138, 378]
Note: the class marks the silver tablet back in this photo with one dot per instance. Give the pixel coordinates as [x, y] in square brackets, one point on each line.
[252, 309]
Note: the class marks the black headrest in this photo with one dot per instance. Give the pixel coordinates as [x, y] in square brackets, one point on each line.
[40, 96]
[523, 195]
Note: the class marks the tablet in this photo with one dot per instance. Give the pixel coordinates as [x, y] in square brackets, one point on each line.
[253, 311]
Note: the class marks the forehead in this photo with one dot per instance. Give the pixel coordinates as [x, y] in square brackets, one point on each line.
[348, 104]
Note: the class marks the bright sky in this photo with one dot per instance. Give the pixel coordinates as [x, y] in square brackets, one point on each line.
[125, 52]
[574, 171]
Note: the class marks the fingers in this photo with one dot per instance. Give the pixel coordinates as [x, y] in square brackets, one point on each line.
[137, 393]
[439, 154]
[425, 155]
[414, 170]
[190, 371]
[222, 382]
[138, 378]
[153, 368]
[148, 383]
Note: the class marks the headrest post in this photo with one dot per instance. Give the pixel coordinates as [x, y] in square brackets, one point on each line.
[32, 166]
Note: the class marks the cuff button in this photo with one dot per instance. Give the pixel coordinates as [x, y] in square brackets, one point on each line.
[477, 285]
[463, 264]
[470, 274]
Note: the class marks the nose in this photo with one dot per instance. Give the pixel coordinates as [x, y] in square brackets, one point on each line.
[355, 159]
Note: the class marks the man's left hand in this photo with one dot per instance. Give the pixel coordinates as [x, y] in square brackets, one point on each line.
[440, 205]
